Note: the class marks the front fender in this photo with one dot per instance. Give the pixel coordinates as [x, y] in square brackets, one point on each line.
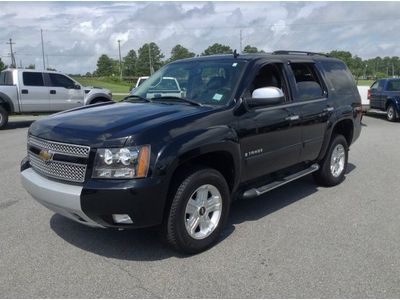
[4, 98]
[195, 144]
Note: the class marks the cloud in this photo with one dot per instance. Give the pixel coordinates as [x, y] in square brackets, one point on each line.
[77, 33]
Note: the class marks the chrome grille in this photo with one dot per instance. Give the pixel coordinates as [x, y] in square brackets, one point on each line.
[62, 148]
[58, 169]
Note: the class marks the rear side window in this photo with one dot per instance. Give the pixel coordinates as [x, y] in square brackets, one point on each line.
[32, 79]
[308, 84]
[393, 86]
[339, 76]
[6, 78]
[59, 80]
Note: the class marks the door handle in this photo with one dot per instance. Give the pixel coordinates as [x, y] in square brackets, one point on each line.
[53, 92]
[24, 92]
[292, 118]
[329, 109]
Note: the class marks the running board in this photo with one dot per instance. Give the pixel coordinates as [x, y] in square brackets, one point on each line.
[254, 192]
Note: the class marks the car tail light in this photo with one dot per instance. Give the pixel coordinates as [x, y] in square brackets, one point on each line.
[369, 95]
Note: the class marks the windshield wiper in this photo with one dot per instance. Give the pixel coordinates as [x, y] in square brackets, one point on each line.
[132, 98]
[179, 99]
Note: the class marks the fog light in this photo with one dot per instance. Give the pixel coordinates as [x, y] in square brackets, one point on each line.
[122, 219]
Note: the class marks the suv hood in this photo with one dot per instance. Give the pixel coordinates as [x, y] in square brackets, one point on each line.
[109, 124]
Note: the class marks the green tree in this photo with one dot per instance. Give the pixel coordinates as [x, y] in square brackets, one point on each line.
[31, 67]
[105, 66]
[2, 65]
[250, 49]
[217, 49]
[129, 63]
[180, 52]
[143, 66]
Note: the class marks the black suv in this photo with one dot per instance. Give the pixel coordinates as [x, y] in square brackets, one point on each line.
[240, 126]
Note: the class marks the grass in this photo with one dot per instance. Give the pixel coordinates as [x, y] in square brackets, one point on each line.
[115, 86]
[365, 82]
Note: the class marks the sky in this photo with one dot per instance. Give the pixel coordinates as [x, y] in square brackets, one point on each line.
[77, 33]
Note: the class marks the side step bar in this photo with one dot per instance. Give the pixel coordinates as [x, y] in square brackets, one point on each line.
[254, 192]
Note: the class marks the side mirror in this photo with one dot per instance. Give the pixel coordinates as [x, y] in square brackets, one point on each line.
[265, 96]
[77, 87]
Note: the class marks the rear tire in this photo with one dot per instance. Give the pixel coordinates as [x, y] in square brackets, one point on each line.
[199, 211]
[3, 117]
[391, 113]
[334, 164]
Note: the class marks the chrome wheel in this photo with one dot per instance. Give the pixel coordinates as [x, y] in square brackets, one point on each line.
[338, 159]
[203, 211]
[390, 112]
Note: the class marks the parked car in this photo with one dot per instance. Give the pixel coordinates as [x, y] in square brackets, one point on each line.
[139, 82]
[30, 91]
[248, 124]
[384, 95]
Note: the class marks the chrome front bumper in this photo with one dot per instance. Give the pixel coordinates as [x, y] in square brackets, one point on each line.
[64, 199]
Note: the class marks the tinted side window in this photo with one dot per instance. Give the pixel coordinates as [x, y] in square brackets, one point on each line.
[6, 78]
[339, 76]
[32, 79]
[59, 80]
[375, 85]
[308, 84]
[393, 86]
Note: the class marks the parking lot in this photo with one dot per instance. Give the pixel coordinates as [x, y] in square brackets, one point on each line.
[299, 241]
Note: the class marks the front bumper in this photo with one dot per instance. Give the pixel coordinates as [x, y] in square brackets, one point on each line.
[59, 197]
[94, 202]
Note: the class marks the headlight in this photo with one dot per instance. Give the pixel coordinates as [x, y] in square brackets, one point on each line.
[120, 163]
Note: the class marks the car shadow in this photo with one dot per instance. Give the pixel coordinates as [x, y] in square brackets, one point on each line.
[377, 115]
[18, 124]
[146, 245]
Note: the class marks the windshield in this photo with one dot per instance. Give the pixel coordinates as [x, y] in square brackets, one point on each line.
[205, 82]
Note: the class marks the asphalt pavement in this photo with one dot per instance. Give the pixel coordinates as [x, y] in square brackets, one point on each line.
[299, 241]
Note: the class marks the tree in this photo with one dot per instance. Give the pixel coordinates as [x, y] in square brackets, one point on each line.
[143, 65]
[31, 67]
[180, 52]
[129, 63]
[2, 65]
[251, 49]
[105, 66]
[217, 49]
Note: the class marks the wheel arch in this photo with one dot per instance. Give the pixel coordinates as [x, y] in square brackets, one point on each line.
[6, 103]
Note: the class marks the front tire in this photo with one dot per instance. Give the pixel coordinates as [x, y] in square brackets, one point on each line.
[333, 166]
[391, 113]
[3, 118]
[199, 211]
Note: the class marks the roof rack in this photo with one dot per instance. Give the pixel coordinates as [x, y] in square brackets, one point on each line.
[278, 52]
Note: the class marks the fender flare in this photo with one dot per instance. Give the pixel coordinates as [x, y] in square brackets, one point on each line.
[328, 135]
[195, 144]
[5, 99]
[89, 99]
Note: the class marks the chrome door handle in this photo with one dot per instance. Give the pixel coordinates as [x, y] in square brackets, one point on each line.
[293, 118]
[328, 109]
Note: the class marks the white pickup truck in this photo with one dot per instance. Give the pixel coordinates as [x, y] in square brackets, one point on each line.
[30, 91]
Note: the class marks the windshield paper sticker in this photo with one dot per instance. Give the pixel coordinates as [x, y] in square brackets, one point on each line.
[234, 64]
[217, 97]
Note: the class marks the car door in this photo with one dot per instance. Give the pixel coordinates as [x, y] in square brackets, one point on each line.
[376, 94]
[33, 92]
[64, 92]
[310, 98]
[270, 137]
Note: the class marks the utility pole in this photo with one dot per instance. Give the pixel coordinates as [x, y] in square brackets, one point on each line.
[241, 40]
[120, 62]
[392, 70]
[41, 35]
[151, 67]
[13, 63]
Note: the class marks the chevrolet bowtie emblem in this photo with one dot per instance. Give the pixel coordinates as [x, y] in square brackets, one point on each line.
[46, 155]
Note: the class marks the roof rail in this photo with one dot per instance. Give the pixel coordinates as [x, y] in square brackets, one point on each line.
[279, 52]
